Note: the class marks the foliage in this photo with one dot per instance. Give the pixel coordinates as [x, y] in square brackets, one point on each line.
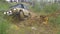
[38, 8]
[4, 24]
[51, 8]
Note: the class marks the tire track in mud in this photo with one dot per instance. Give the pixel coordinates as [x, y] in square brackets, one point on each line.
[41, 28]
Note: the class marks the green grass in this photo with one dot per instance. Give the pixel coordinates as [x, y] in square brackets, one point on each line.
[5, 24]
[49, 9]
[4, 6]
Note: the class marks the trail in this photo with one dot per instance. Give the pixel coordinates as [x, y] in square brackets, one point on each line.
[34, 21]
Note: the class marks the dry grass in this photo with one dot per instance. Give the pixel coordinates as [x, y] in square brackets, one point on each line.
[25, 26]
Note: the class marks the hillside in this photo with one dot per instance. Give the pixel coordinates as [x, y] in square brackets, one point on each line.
[9, 25]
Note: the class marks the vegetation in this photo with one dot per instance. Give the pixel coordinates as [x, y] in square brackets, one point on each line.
[6, 24]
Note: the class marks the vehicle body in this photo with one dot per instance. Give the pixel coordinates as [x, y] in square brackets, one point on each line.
[18, 10]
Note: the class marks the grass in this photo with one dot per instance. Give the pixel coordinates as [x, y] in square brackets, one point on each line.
[4, 6]
[49, 9]
[6, 24]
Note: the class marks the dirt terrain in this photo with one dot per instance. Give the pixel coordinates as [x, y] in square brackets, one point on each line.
[32, 26]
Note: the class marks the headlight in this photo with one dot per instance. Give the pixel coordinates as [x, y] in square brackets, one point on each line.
[9, 13]
[4, 12]
[23, 9]
[14, 9]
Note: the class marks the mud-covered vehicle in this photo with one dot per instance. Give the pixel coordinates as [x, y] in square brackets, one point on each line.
[18, 10]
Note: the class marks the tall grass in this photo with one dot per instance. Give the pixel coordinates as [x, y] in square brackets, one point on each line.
[46, 8]
[49, 9]
[4, 24]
